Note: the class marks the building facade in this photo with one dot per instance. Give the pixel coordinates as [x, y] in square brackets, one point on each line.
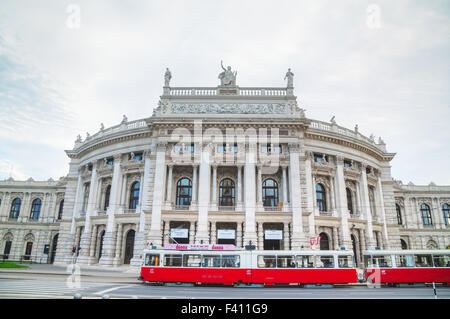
[221, 165]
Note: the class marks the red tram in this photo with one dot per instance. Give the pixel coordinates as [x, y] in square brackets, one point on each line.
[211, 264]
[407, 266]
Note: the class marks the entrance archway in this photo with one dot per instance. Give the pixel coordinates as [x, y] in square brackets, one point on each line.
[102, 236]
[129, 246]
[354, 250]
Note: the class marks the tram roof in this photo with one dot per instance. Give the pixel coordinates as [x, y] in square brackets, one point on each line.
[408, 252]
[259, 252]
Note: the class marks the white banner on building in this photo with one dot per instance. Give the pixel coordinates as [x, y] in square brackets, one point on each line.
[179, 233]
[273, 234]
[226, 234]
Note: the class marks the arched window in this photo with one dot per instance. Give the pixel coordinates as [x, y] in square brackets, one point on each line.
[15, 208]
[399, 214]
[134, 195]
[349, 200]
[425, 211]
[60, 211]
[226, 192]
[35, 209]
[446, 212]
[184, 192]
[324, 242]
[403, 243]
[107, 195]
[270, 193]
[320, 198]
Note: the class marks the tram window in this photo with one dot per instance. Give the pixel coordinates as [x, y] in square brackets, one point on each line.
[441, 261]
[305, 261]
[423, 261]
[285, 262]
[267, 262]
[324, 262]
[173, 260]
[379, 261]
[404, 260]
[191, 260]
[211, 261]
[152, 260]
[345, 261]
[230, 261]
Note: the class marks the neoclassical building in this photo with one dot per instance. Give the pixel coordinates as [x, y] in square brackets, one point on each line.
[221, 165]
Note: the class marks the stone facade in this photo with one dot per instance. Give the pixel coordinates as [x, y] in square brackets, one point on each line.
[222, 165]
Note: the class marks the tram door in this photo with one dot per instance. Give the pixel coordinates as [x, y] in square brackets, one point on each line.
[129, 247]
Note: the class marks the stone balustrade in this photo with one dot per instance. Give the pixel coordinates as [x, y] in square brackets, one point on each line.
[215, 91]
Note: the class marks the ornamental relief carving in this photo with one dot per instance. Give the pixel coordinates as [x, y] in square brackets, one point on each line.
[227, 108]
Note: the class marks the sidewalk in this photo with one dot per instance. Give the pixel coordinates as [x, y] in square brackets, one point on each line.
[121, 272]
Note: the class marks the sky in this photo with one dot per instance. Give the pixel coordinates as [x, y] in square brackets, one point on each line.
[67, 66]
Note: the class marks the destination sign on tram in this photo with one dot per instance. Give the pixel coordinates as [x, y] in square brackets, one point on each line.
[199, 247]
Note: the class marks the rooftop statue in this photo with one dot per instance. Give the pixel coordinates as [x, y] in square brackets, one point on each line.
[290, 78]
[227, 77]
[167, 77]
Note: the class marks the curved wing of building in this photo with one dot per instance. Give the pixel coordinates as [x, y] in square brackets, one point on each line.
[225, 165]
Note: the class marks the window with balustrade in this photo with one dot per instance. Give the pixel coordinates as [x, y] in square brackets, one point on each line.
[15, 208]
[321, 197]
[446, 212]
[35, 209]
[184, 192]
[134, 195]
[425, 212]
[226, 192]
[270, 193]
[399, 214]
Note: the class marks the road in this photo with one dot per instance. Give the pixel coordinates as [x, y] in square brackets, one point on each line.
[47, 286]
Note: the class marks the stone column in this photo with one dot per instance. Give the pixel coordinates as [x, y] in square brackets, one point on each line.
[214, 189]
[239, 235]
[342, 203]
[333, 196]
[259, 188]
[239, 204]
[285, 193]
[203, 196]
[358, 200]
[6, 203]
[335, 238]
[166, 235]
[383, 212]
[250, 192]
[314, 183]
[286, 236]
[213, 233]
[194, 203]
[109, 240]
[169, 186]
[158, 191]
[117, 257]
[364, 189]
[86, 236]
[298, 237]
[260, 236]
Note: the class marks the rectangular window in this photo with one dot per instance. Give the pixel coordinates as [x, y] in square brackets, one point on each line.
[320, 158]
[378, 261]
[173, 260]
[345, 261]
[347, 163]
[152, 260]
[267, 261]
[211, 261]
[305, 261]
[324, 262]
[191, 260]
[404, 260]
[230, 261]
[285, 262]
[441, 261]
[423, 261]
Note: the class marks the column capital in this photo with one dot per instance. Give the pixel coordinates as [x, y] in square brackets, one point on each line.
[294, 147]
[339, 160]
[161, 146]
